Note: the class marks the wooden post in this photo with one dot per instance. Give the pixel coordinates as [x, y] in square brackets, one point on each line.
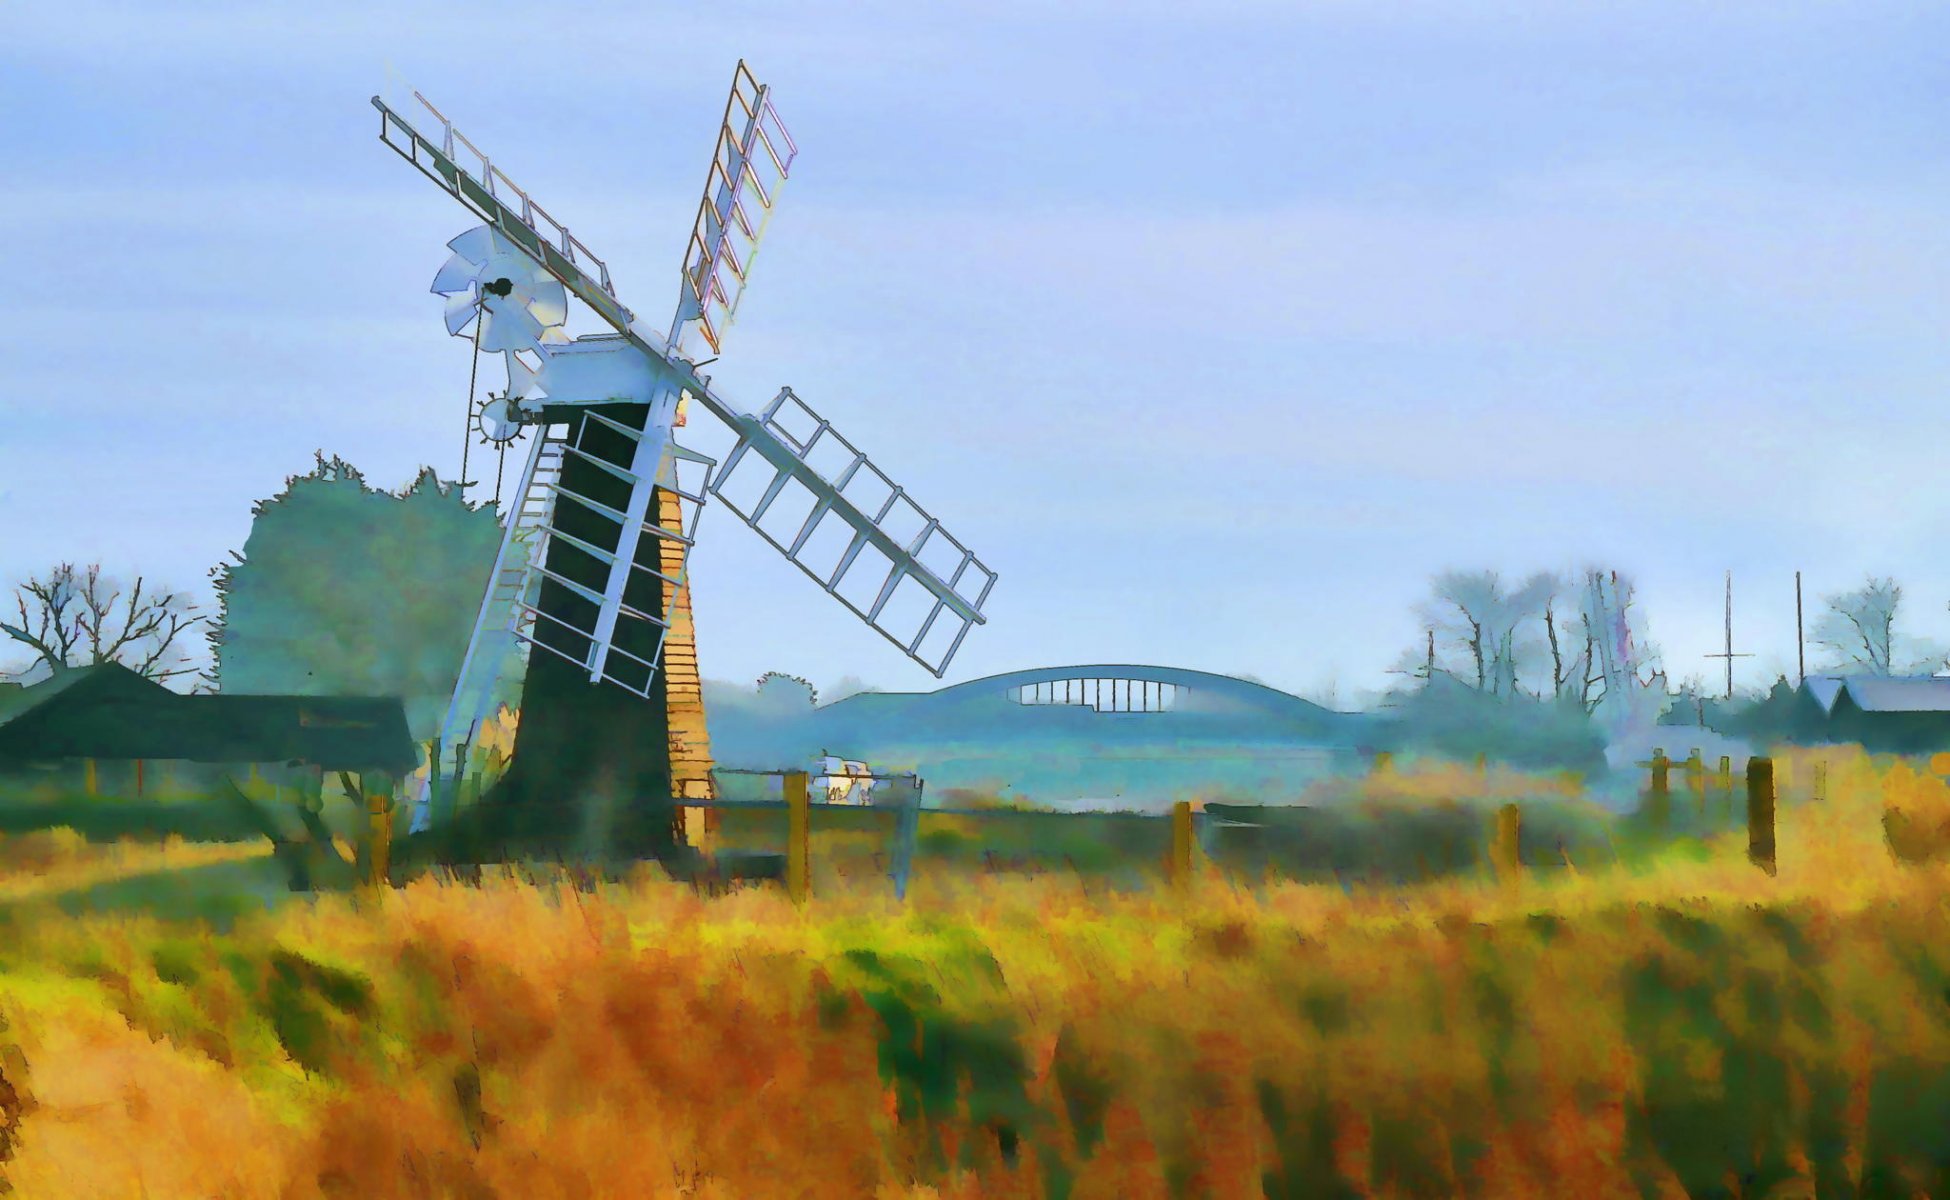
[1482, 765]
[89, 780]
[1821, 780]
[138, 779]
[1506, 859]
[1760, 813]
[433, 779]
[1384, 762]
[379, 813]
[798, 856]
[906, 833]
[1658, 802]
[1181, 843]
[1696, 778]
[1726, 772]
[701, 829]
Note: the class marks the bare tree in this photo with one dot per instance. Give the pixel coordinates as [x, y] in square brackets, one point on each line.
[1860, 627]
[76, 618]
[1456, 614]
[1473, 612]
[1570, 677]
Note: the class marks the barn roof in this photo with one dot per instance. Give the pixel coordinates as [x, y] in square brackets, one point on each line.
[111, 712]
[1824, 689]
[1894, 694]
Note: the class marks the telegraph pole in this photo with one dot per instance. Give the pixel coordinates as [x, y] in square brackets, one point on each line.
[1800, 645]
[1729, 655]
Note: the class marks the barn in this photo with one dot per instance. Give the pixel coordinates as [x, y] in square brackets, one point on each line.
[107, 727]
[1891, 714]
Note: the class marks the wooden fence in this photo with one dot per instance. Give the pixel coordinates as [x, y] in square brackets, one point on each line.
[1182, 831]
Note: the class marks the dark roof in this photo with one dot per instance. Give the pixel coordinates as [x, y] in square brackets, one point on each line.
[105, 680]
[1823, 689]
[111, 712]
[1899, 694]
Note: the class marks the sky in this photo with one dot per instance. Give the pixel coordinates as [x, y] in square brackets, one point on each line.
[1216, 329]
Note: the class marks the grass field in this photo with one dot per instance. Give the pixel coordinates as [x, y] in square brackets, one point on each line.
[1686, 1026]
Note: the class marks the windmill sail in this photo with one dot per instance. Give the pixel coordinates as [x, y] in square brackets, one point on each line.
[855, 532]
[592, 572]
[749, 164]
[929, 589]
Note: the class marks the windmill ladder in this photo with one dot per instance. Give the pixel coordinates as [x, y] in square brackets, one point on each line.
[494, 626]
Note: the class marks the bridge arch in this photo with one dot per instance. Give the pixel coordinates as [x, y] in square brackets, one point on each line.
[1129, 687]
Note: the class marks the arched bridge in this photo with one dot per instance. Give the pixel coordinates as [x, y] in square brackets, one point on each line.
[1132, 688]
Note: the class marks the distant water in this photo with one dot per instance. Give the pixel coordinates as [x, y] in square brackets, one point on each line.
[1141, 781]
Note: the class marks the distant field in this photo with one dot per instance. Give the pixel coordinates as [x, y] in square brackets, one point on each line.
[1690, 1027]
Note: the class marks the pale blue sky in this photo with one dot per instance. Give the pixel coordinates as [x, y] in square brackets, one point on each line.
[1215, 328]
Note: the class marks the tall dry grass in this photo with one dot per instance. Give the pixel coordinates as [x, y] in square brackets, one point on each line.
[1697, 1028]
[58, 860]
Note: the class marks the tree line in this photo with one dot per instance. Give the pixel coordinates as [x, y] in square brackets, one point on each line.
[343, 588]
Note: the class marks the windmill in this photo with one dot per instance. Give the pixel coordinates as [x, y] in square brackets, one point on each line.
[591, 576]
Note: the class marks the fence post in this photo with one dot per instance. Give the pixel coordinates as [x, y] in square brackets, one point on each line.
[1821, 780]
[379, 813]
[906, 832]
[1696, 779]
[1384, 762]
[1509, 826]
[433, 779]
[1482, 765]
[1760, 813]
[88, 776]
[700, 830]
[798, 855]
[1657, 803]
[1181, 843]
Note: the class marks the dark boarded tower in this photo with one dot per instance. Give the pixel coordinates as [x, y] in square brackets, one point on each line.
[592, 761]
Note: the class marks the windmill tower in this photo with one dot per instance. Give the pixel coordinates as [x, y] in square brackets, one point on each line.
[591, 577]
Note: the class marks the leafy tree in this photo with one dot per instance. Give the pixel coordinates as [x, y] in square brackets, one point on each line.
[1779, 715]
[1446, 716]
[786, 695]
[344, 589]
[1694, 704]
[77, 617]
[848, 685]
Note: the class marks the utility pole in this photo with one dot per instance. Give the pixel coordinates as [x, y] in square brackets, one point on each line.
[1800, 645]
[1729, 655]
